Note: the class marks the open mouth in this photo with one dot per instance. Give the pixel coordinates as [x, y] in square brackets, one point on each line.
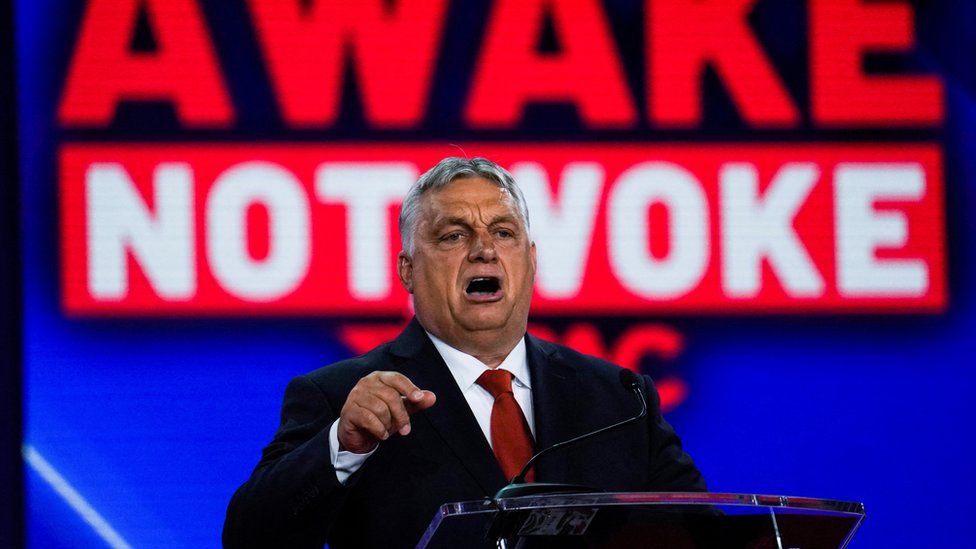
[483, 286]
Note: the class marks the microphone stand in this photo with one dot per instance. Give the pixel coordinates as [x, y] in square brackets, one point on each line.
[506, 522]
[518, 487]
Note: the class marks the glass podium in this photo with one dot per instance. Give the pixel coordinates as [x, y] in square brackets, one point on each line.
[673, 520]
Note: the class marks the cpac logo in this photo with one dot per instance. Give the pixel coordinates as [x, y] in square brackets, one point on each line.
[648, 347]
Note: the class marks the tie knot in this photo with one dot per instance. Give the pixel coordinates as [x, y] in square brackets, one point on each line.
[496, 382]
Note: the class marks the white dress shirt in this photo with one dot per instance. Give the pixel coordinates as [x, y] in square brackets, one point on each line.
[465, 369]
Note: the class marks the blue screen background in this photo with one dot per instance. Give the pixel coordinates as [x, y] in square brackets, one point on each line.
[155, 422]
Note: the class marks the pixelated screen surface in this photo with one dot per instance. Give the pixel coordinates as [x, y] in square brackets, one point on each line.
[760, 204]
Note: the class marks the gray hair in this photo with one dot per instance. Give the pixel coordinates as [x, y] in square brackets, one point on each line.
[446, 171]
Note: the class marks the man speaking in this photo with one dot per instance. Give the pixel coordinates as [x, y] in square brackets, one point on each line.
[450, 410]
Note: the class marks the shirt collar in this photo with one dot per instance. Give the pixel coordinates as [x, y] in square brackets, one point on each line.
[466, 369]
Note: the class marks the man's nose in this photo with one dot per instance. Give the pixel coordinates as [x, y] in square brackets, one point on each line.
[482, 248]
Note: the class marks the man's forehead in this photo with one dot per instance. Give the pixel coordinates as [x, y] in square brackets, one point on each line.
[464, 197]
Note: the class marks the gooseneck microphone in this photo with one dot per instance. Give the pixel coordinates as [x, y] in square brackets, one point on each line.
[518, 487]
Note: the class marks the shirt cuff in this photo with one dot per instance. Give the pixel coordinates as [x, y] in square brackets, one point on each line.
[345, 463]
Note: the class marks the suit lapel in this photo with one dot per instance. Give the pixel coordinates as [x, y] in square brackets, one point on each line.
[451, 416]
[555, 388]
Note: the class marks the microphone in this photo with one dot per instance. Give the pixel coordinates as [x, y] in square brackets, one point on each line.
[518, 487]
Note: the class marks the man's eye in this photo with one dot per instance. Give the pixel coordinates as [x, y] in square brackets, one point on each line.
[505, 233]
[451, 237]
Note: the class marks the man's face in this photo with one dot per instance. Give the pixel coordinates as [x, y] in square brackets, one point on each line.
[473, 265]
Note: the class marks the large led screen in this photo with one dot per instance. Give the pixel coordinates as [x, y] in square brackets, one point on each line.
[761, 204]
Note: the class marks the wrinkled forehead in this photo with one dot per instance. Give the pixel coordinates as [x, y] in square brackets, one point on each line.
[469, 198]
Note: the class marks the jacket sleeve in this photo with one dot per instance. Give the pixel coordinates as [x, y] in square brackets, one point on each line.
[671, 469]
[293, 496]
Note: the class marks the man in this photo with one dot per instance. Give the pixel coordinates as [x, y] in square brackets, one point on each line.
[369, 448]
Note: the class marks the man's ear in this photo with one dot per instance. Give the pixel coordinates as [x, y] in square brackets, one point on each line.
[532, 253]
[405, 271]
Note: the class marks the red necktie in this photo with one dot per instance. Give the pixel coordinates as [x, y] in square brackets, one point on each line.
[510, 436]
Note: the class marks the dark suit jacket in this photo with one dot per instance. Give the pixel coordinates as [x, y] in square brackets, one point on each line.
[294, 500]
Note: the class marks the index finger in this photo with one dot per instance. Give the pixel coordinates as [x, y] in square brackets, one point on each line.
[403, 385]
